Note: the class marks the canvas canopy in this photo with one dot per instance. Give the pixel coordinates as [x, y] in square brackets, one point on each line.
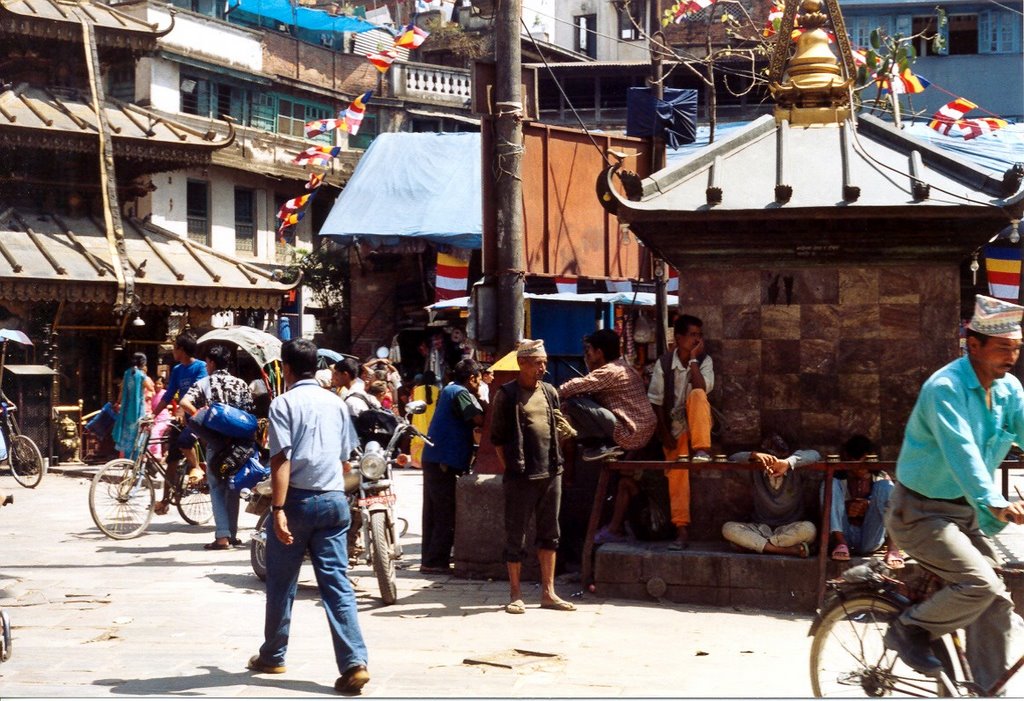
[420, 186]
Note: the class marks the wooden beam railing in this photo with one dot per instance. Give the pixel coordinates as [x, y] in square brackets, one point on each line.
[828, 468]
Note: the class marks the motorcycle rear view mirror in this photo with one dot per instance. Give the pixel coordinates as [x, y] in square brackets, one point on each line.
[417, 406]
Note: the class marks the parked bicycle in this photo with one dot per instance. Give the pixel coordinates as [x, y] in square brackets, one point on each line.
[849, 657]
[122, 496]
[23, 454]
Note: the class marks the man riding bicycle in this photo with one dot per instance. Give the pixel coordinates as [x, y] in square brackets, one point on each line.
[186, 373]
[946, 505]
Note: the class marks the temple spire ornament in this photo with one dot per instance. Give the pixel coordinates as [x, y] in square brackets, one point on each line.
[812, 87]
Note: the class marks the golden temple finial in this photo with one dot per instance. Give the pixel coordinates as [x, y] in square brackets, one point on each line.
[813, 89]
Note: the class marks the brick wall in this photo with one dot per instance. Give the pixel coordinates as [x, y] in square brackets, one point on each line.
[820, 353]
[318, 66]
[375, 304]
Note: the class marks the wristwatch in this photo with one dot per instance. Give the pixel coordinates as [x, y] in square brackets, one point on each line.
[275, 507]
[692, 361]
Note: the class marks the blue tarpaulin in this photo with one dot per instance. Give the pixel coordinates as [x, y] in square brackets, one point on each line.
[310, 25]
[424, 186]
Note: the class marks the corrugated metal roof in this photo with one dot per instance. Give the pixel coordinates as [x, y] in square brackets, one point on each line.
[100, 15]
[32, 108]
[375, 40]
[46, 253]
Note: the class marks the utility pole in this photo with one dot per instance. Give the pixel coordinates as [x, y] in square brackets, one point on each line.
[508, 186]
[657, 41]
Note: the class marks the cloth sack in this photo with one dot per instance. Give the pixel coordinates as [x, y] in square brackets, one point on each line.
[225, 420]
[251, 473]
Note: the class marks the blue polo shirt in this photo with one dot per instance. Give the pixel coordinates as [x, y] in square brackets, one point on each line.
[314, 430]
[183, 377]
[954, 443]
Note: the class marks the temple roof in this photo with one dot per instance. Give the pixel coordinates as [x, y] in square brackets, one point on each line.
[39, 118]
[54, 258]
[861, 189]
[63, 19]
[814, 180]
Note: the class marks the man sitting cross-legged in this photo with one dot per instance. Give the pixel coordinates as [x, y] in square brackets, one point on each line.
[779, 524]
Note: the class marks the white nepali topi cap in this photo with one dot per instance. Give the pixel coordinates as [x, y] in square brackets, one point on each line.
[994, 317]
[528, 348]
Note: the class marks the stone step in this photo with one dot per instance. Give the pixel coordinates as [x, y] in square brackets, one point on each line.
[711, 573]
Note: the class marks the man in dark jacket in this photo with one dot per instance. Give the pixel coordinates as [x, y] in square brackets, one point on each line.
[523, 429]
[458, 412]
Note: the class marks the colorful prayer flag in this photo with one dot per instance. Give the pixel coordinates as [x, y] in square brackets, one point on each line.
[567, 284]
[950, 121]
[293, 205]
[452, 276]
[683, 9]
[320, 126]
[315, 180]
[775, 13]
[412, 37]
[287, 221]
[354, 114]
[973, 128]
[1002, 264]
[383, 59]
[904, 82]
[317, 155]
[949, 114]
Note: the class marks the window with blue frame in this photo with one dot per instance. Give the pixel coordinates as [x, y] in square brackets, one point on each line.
[860, 28]
[211, 97]
[293, 114]
[999, 32]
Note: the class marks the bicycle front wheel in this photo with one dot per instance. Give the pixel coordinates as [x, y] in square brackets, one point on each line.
[194, 503]
[121, 500]
[26, 461]
[849, 658]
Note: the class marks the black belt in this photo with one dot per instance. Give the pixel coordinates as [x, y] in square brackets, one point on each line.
[959, 501]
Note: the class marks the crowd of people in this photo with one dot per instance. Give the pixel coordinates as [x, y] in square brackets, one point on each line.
[940, 509]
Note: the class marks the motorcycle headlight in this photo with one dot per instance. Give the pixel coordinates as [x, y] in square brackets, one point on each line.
[373, 466]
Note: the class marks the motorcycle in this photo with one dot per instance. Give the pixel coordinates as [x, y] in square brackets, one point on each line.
[371, 498]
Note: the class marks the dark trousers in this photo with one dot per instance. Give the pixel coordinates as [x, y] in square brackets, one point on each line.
[539, 499]
[438, 514]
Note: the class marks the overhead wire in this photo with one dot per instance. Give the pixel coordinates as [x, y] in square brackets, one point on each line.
[565, 97]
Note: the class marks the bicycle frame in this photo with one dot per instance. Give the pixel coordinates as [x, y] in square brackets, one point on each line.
[874, 584]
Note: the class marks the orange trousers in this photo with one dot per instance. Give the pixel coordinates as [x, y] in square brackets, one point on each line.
[698, 419]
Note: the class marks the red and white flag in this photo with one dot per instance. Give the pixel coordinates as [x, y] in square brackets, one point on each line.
[567, 284]
[354, 114]
[317, 155]
[383, 59]
[672, 283]
[452, 276]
